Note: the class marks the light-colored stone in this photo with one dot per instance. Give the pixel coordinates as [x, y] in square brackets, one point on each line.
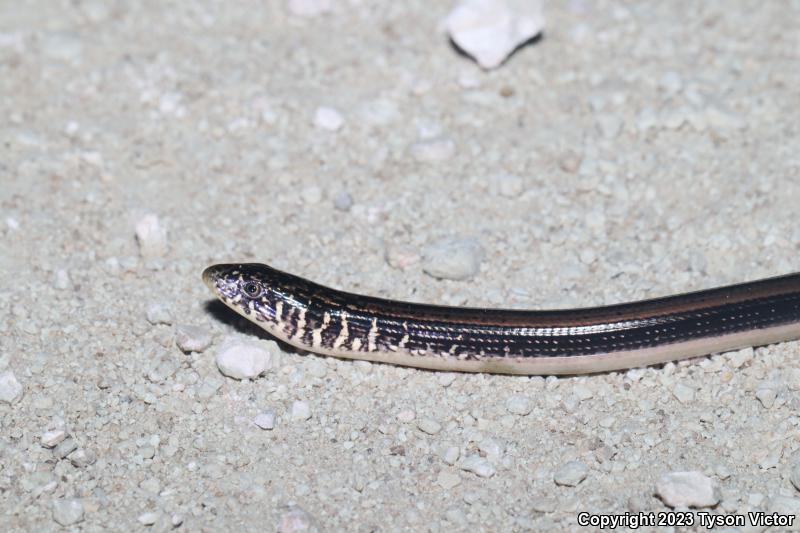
[67, 511]
[687, 489]
[490, 30]
[192, 338]
[10, 388]
[297, 520]
[477, 465]
[151, 236]
[243, 361]
[433, 150]
[300, 411]
[265, 420]
[327, 118]
[571, 474]
[455, 258]
[431, 427]
[518, 405]
[158, 313]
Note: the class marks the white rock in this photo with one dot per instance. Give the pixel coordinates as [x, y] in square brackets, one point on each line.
[439, 149]
[570, 474]
[687, 489]
[192, 338]
[300, 410]
[683, 393]
[312, 194]
[490, 30]
[343, 201]
[243, 361]
[766, 394]
[61, 279]
[406, 415]
[265, 420]
[448, 480]
[50, 439]
[152, 237]
[147, 519]
[327, 118]
[308, 8]
[158, 313]
[431, 427]
[10, 388]
[297, 520]
[454, 258]
[401, 256]
[477, 465]
[518, 405]
[67, 511]
[450, 455]
[82, 458]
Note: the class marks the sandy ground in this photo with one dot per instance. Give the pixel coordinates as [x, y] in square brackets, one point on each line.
[638, 149]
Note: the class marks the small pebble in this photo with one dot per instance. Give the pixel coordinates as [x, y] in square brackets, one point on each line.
[152, 237]
[67, 511]
[10, 388]
[448, 480]
[327, 118]
[265, 420]
[439, 149]
[543, 504]
[401, 256]
[50, 439]
[766, 394]
[570, 474]
[738, 359]
[297, 520]
[192, 338]
[312, 194]
[406, 415]
[147, 519]
[343, 201]
[300, 411]
[450, 455]
[518, 405]
[687, 489]
[684, 393]
[431, 427]
[318, 368]
[61, 280]
[243, 361]
[456, 258]
[65, 447]
[82, 458]
[158, 313]
[477, 465]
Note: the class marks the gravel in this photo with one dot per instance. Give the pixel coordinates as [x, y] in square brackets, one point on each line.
[10, 388]
[687, 489]
[67, 511]
[571, 474]
[635, 150]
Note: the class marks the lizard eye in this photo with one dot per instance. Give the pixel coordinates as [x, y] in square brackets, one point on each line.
[252, 289]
